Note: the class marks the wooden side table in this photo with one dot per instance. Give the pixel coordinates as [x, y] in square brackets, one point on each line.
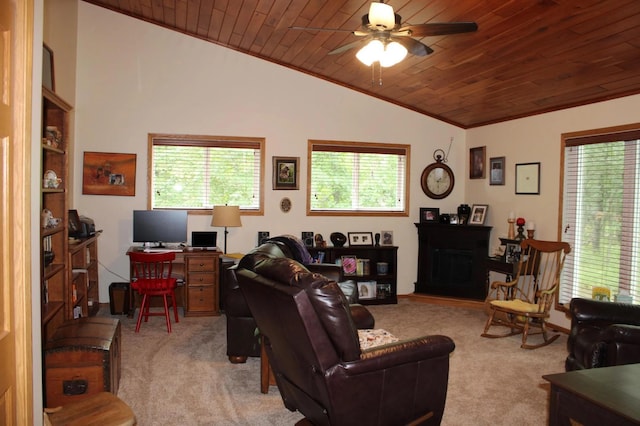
[597, 396]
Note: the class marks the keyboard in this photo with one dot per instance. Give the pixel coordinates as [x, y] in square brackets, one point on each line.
[163, 250]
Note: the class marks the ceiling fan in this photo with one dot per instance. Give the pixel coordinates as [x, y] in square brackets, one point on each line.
[388, 40]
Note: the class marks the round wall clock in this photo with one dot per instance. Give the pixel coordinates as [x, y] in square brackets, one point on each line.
[437, 179]
[285, 205]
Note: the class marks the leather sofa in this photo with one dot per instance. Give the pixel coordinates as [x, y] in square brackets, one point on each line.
[242, 338]
[313, 344]
[603, 334]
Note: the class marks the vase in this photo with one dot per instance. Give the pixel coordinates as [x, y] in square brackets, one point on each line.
[464, 211]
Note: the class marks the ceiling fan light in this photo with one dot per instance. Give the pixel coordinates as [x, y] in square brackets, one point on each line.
[393, 53]
[371, 52]
[381, 16]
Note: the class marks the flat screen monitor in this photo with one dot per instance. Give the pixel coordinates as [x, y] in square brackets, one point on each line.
[159, 226]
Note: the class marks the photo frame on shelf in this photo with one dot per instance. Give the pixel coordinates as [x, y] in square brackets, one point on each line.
[528, 178]
[387, 238]
[478, 214]
[429, 214]
[74, 223]
[48, 76]
[496, 170]
[349, 265]
[367, 290]
[107, 173]
[285, 172]
[477, 162]
[360, 238]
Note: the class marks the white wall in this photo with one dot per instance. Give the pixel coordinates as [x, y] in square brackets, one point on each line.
[134, 78]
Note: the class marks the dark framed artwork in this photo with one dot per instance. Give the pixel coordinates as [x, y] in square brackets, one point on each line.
[429, 214]
[496, 171]
[48, 76]
[285, 172]
[106, 173]
[74, 223]
[528, 178]
[349, 265]
[477, 162]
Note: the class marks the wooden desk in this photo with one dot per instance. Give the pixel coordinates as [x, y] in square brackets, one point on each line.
[598, 396]
[201, 290]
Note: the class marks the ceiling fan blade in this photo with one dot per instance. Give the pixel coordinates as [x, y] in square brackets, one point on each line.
[325, 29]
[349, 46]
[414, 46]
[440, 28]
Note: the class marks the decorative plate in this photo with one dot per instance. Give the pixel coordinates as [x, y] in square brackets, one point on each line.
[285, 205]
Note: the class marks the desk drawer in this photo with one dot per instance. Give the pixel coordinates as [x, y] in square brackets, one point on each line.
[202, 264]
[201, 278]
[202, 298]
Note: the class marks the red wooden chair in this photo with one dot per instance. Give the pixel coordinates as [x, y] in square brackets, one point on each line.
[151, 276]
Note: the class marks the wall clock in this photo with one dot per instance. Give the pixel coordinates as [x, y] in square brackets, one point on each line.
[437, 178]
[285, 205]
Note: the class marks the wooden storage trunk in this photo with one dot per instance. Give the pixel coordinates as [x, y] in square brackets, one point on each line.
[81, 359]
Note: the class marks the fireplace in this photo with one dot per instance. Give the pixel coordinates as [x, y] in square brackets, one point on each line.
[451, 260]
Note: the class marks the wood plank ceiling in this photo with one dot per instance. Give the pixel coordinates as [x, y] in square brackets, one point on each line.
[527, 57]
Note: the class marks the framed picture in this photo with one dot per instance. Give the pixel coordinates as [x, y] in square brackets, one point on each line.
[496, 173]
[360, 238]
[453, 219]
[349, 265]
[367, 290]
[285, 172]
[528, 178]
[48, 79]
[512, 252]
[387, 238]
[478, 214]
[429, 214]
[107, 173]
[477, 158]
[74, 223]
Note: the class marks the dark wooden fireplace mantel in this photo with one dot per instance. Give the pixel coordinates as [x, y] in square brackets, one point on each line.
[451, 260]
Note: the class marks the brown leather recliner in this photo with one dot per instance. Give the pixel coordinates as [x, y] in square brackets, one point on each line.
[603, 334]
[242, 339]
[314, 351]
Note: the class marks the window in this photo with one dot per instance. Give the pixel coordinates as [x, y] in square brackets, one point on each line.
[601, 213]
[357, 178]
[198, 172]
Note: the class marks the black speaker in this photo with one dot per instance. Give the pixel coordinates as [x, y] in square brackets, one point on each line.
[263, 236]
[307, 239]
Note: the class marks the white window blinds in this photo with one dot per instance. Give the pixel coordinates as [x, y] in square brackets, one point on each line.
[200, 172]
[601, 215]
[357, 178]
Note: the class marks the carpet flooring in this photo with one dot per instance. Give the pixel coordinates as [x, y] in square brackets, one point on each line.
[184, 378]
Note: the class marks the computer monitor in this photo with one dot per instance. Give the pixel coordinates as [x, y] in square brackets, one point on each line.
[159, 226]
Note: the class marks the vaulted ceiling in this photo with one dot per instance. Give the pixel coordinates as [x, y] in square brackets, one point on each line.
[527, 57]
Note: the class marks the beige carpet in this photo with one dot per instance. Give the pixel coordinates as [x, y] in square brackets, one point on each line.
[185, 378]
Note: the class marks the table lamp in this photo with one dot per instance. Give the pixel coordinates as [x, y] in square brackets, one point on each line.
[226, 216]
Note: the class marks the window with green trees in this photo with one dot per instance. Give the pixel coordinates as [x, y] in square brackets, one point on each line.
[601, 213]
[357, 178]
[198, 172]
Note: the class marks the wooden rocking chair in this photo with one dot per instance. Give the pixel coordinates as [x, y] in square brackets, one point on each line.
[524, 302]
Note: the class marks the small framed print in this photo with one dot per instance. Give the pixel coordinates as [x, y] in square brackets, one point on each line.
[349, 265]
[285, 172]
[478, 214]
[387, 238]
[429, 214]
[360, 238]
[48, 77]
[477, 158]
[496, 167]
[528, 178]
[367, 290]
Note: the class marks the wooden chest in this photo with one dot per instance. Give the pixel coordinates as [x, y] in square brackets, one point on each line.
[81, 359]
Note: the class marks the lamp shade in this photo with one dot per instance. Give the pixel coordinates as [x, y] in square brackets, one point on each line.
[228, 216]
[381, 16]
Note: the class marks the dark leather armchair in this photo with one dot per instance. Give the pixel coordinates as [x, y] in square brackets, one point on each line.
[313, 346]
[603, 334]
[242, 338]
